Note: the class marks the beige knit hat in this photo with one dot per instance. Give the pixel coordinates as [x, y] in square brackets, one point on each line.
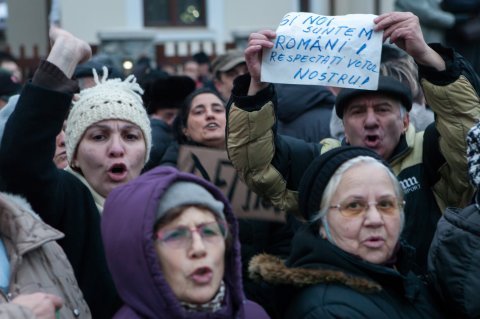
[111, 99]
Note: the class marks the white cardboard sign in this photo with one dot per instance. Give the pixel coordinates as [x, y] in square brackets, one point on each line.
[341, 51]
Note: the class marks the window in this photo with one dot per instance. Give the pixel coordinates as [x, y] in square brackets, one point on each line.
[304, 5]
[174, 13]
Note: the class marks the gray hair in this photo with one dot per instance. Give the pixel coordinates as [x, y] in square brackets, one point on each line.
[405, 70]
[337, 177]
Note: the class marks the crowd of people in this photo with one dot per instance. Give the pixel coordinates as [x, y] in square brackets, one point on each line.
[379, 187]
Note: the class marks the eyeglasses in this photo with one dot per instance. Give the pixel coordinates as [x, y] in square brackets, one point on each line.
[181, 237]
[356, 207]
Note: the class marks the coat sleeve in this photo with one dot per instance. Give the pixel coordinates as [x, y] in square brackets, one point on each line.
[270, 164]
[11, 310]
[453, 96]
[28, 147]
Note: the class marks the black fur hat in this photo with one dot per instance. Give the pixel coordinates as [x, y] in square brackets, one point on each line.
[167, 92]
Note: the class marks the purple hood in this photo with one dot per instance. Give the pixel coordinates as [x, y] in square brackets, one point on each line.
[127, 231]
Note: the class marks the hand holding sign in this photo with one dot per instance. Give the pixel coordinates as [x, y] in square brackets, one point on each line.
[341, 51]
[257, 41]
[403, 29]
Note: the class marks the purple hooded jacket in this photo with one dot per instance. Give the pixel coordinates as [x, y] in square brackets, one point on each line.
[127, 231]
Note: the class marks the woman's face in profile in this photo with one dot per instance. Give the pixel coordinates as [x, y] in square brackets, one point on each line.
[110, 153]
[206, 121]
[371, 233]
[191, 253]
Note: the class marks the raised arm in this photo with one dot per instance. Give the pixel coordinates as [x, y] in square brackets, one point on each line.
[28, 146]
[270, 164]
[257, 41]
[67, 50]
[452, 90]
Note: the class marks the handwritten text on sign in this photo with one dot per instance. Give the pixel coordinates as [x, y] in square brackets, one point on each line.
[341, 51]
[214, 166]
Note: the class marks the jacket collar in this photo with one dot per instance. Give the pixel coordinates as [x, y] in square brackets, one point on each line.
[99, 199]
[273, 270]
[404, 146]
[314, 260]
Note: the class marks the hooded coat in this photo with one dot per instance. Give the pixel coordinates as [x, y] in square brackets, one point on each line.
[127, 228]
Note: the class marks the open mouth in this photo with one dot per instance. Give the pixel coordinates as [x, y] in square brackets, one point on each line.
[202, 271]
[202, 275]
[212, 125]
[118, 169]
[372, 140]
[117, 172]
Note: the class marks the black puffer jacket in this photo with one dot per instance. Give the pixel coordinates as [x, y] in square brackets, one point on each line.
[454, 260]
[319, 280]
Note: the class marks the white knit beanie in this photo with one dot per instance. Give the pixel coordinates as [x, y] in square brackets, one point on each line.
[111, 99]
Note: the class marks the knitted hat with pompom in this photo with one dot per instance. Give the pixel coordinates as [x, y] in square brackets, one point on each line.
[111, 99]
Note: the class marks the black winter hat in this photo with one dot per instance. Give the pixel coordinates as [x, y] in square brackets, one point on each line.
[386, 84]
[168, 92]
[85, 69]
[320, 171]
[201, 58]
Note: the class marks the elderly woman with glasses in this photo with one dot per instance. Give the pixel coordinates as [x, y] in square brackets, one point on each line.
[172, 247]
[347, 261]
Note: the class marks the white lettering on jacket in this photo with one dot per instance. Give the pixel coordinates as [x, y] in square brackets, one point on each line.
[410, 184]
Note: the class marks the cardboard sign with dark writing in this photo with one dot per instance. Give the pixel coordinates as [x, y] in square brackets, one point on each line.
[215, 166]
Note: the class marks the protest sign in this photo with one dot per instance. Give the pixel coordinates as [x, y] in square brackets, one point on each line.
[214, 166]
[341, 51]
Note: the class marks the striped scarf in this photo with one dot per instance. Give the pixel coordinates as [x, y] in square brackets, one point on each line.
[213, 305]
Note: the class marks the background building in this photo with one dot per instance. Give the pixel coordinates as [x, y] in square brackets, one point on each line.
[167, 31]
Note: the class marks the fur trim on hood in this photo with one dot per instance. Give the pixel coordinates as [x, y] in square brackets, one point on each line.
[272, 270]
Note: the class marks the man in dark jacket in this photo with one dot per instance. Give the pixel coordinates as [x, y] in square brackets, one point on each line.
[430, 165]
